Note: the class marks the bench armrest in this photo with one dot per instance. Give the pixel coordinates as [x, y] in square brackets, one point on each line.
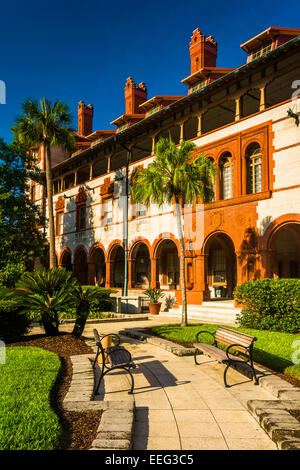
[203, 331]
[118, 339]
[247, 351]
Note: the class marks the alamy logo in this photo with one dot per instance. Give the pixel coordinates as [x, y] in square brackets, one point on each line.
[2, 352]
[296, 354]
[2, 92]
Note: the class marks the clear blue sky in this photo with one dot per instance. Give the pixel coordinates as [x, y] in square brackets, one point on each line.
[72, 50]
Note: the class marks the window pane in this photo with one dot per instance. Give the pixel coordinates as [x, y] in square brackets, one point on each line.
[60, 224]
[82, 212]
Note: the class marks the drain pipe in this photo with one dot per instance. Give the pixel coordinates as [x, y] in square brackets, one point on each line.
[125, 222]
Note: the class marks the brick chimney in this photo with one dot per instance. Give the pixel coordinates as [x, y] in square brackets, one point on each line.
[203, 51]
[134, 96]
[85, 118]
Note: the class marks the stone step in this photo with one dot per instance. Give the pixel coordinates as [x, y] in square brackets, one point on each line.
[211, 310]
[214, 321]
[205, 314]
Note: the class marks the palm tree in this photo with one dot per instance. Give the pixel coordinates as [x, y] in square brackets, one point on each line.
[174, 176]
[46, 126]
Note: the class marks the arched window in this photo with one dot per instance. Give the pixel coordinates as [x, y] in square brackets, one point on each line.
[226, 169]
[254, 168]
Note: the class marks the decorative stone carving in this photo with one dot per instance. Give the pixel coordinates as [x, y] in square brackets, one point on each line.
[81, 196]
[60, 203]
[107, 188]
[216, 219]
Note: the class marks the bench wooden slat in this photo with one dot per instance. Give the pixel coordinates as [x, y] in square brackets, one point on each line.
[228, 337]
[217, 354]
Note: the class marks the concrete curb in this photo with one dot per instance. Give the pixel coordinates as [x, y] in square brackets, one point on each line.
[115, 318]
[174, 348]
[277, 422]
[115, 431]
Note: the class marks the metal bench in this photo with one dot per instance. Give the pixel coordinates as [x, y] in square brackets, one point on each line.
[234, 340]
[113, 357]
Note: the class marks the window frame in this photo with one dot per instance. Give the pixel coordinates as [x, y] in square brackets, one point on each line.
[254, 180]
[227, 165]
[59, 224]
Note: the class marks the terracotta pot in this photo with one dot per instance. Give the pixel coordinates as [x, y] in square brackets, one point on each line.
[154, 308]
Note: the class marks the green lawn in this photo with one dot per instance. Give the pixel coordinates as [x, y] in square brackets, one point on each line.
[27, 421]
[271, 349]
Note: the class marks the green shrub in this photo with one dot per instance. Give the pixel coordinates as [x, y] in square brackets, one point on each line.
[11, 273]
[270, 304]
[103, 302]
[13, 323]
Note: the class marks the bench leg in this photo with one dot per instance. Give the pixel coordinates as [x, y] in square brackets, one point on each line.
[225, 372]
[132, 381]
[195, 356]
[99, 381]
[97, 354]
[254, 375]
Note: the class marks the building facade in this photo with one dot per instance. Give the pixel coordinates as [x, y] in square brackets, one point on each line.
[246, 120]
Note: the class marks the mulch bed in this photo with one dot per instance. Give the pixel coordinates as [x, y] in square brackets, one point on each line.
[79, 428]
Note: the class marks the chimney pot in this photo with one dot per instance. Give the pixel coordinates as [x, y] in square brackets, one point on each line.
[85, 118]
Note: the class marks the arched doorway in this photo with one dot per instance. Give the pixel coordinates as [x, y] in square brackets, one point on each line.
[221, 267]
[168, 265]
[80, 268]
[66, 260]
[285, 249]
[97, 266]
[141, 266]
[118, 257]
[100, 268]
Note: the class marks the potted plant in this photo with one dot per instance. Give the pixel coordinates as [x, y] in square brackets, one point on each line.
[154, 296]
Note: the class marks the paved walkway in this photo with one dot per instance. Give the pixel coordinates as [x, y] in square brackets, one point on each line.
[181, 406]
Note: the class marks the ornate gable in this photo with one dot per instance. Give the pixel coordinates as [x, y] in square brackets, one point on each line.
[81, 196]
[107, 188]
[60, 203]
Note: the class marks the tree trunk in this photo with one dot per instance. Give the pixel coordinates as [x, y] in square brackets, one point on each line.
[182, 264]
[52, 256]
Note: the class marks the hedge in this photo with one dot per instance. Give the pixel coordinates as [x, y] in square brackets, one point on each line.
[13, 323]
[270, 304]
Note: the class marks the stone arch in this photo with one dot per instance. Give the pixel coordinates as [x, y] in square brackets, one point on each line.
[80, 264]
[65, 260]
[97, 265]
[116, 260]
[280, 246]
[220, 270]
[166, 251]
[164, 236]
[140, 263]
